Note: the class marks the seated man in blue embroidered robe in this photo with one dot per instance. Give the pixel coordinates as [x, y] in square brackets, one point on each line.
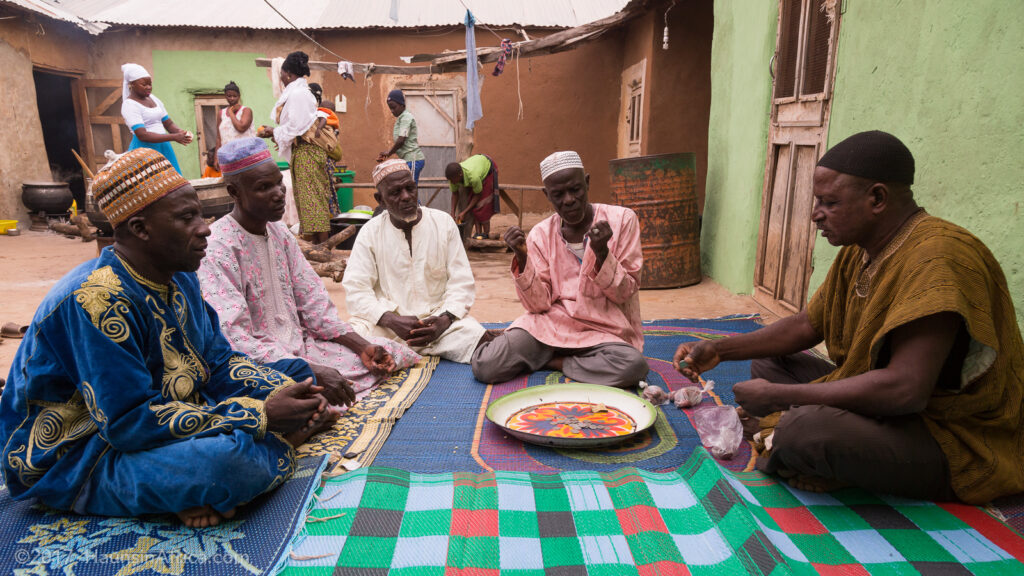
[125, 398]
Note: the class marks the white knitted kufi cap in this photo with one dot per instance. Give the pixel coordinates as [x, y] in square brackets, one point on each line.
[388, 167]
[559, 161]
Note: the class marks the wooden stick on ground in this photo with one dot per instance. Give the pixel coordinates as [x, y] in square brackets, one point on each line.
[88, 231]
[73, 230]
[335, 269]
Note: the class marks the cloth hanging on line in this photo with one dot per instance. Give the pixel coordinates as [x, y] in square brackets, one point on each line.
[506, 52]
[275, 76]
[474, 110]
[346, 71]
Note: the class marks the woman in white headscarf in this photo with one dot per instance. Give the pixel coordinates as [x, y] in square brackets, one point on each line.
[146, 116]
[295, 114]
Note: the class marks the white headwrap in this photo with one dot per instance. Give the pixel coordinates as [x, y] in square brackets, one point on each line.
[559, 161]
[132, 72]
[387, 168]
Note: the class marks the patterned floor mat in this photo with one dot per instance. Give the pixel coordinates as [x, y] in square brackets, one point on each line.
[362, 429]
[699, 519]
[446, 431]
[39, 541]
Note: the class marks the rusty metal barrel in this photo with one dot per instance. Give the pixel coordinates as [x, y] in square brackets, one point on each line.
[662, 190]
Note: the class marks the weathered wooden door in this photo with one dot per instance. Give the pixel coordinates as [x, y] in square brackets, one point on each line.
[436, 126]
[803, 73]
[99, 103]
[207, 108]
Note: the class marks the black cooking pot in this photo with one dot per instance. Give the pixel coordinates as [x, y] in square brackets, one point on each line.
[47, 197]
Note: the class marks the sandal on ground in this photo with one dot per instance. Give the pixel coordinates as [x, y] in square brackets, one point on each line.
[13, 330]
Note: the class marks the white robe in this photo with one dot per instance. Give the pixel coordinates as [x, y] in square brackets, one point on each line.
[383, 275]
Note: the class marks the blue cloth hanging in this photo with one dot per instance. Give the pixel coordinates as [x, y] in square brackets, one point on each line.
[474, 110]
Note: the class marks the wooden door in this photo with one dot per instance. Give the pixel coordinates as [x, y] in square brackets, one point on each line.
[803, 71]
[207, 109]
[436, 127]
[631, 111]
[99, 103]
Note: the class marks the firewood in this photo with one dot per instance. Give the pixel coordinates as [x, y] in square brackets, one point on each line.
[72, 230]
[334, 269]
[88, 231]
[486, 244]
[322, 252]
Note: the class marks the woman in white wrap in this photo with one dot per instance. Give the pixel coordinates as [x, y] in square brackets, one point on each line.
[146, 116]
[295, 114]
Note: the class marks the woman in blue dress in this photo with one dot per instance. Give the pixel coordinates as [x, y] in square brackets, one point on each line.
[146, 116]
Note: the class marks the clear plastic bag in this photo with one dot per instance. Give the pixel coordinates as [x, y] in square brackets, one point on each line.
[720, 430]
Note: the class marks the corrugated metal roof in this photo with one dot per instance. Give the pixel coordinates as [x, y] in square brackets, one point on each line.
[59, 13]
[321, 14]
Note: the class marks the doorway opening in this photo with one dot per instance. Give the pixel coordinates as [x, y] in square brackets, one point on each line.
[56, 103]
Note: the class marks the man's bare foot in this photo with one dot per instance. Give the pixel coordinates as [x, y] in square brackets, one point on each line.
[809, 483]
[203, 516]
[751, 424]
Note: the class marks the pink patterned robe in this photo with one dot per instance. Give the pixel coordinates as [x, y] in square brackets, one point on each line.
[571, 305]
[272, 305]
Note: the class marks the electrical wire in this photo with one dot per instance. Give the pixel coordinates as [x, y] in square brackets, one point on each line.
[308, 37]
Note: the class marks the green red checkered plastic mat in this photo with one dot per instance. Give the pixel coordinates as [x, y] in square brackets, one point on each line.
[699, 519]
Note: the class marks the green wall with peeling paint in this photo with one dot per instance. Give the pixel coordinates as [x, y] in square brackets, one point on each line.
[742, 45]
[947, 78]
[179, 75]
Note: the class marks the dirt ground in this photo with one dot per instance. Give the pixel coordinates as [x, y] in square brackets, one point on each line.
[31, 263]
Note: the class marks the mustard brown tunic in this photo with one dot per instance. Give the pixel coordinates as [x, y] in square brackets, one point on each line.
[934, 266]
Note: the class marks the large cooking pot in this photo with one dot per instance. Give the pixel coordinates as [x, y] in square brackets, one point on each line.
[47, 197]
[213, 196]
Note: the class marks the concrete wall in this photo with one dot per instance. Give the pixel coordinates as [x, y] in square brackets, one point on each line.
[27, 41]
[743, 43]
[946, 78]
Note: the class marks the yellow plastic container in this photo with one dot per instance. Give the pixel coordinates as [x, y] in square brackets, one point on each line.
[6, 225]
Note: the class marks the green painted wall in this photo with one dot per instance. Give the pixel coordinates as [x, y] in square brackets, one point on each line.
[947, 78]
[743, 43]
[178, 75]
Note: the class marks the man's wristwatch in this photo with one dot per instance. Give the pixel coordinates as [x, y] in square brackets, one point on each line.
[451, 317]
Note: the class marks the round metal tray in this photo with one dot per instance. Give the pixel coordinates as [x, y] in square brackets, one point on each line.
[642, 411]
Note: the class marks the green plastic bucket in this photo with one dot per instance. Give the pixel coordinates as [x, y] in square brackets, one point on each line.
[345, 194]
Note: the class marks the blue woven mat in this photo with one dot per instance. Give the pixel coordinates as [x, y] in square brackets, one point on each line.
[445, 430]
[38, 540]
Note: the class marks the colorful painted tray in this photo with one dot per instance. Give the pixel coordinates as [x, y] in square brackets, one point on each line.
[562, 403]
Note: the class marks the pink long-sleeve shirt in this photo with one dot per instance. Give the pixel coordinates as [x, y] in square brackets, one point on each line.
[568, 303]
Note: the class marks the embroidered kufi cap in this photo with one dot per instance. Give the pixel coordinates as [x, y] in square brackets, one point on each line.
[559, 161]
[388, 167]
[135, 180]
[875, 155]
[242, 154]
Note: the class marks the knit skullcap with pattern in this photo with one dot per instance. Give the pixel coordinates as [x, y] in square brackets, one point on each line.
[129, 184]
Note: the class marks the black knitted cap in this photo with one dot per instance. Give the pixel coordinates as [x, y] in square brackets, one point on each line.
[875, 155]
